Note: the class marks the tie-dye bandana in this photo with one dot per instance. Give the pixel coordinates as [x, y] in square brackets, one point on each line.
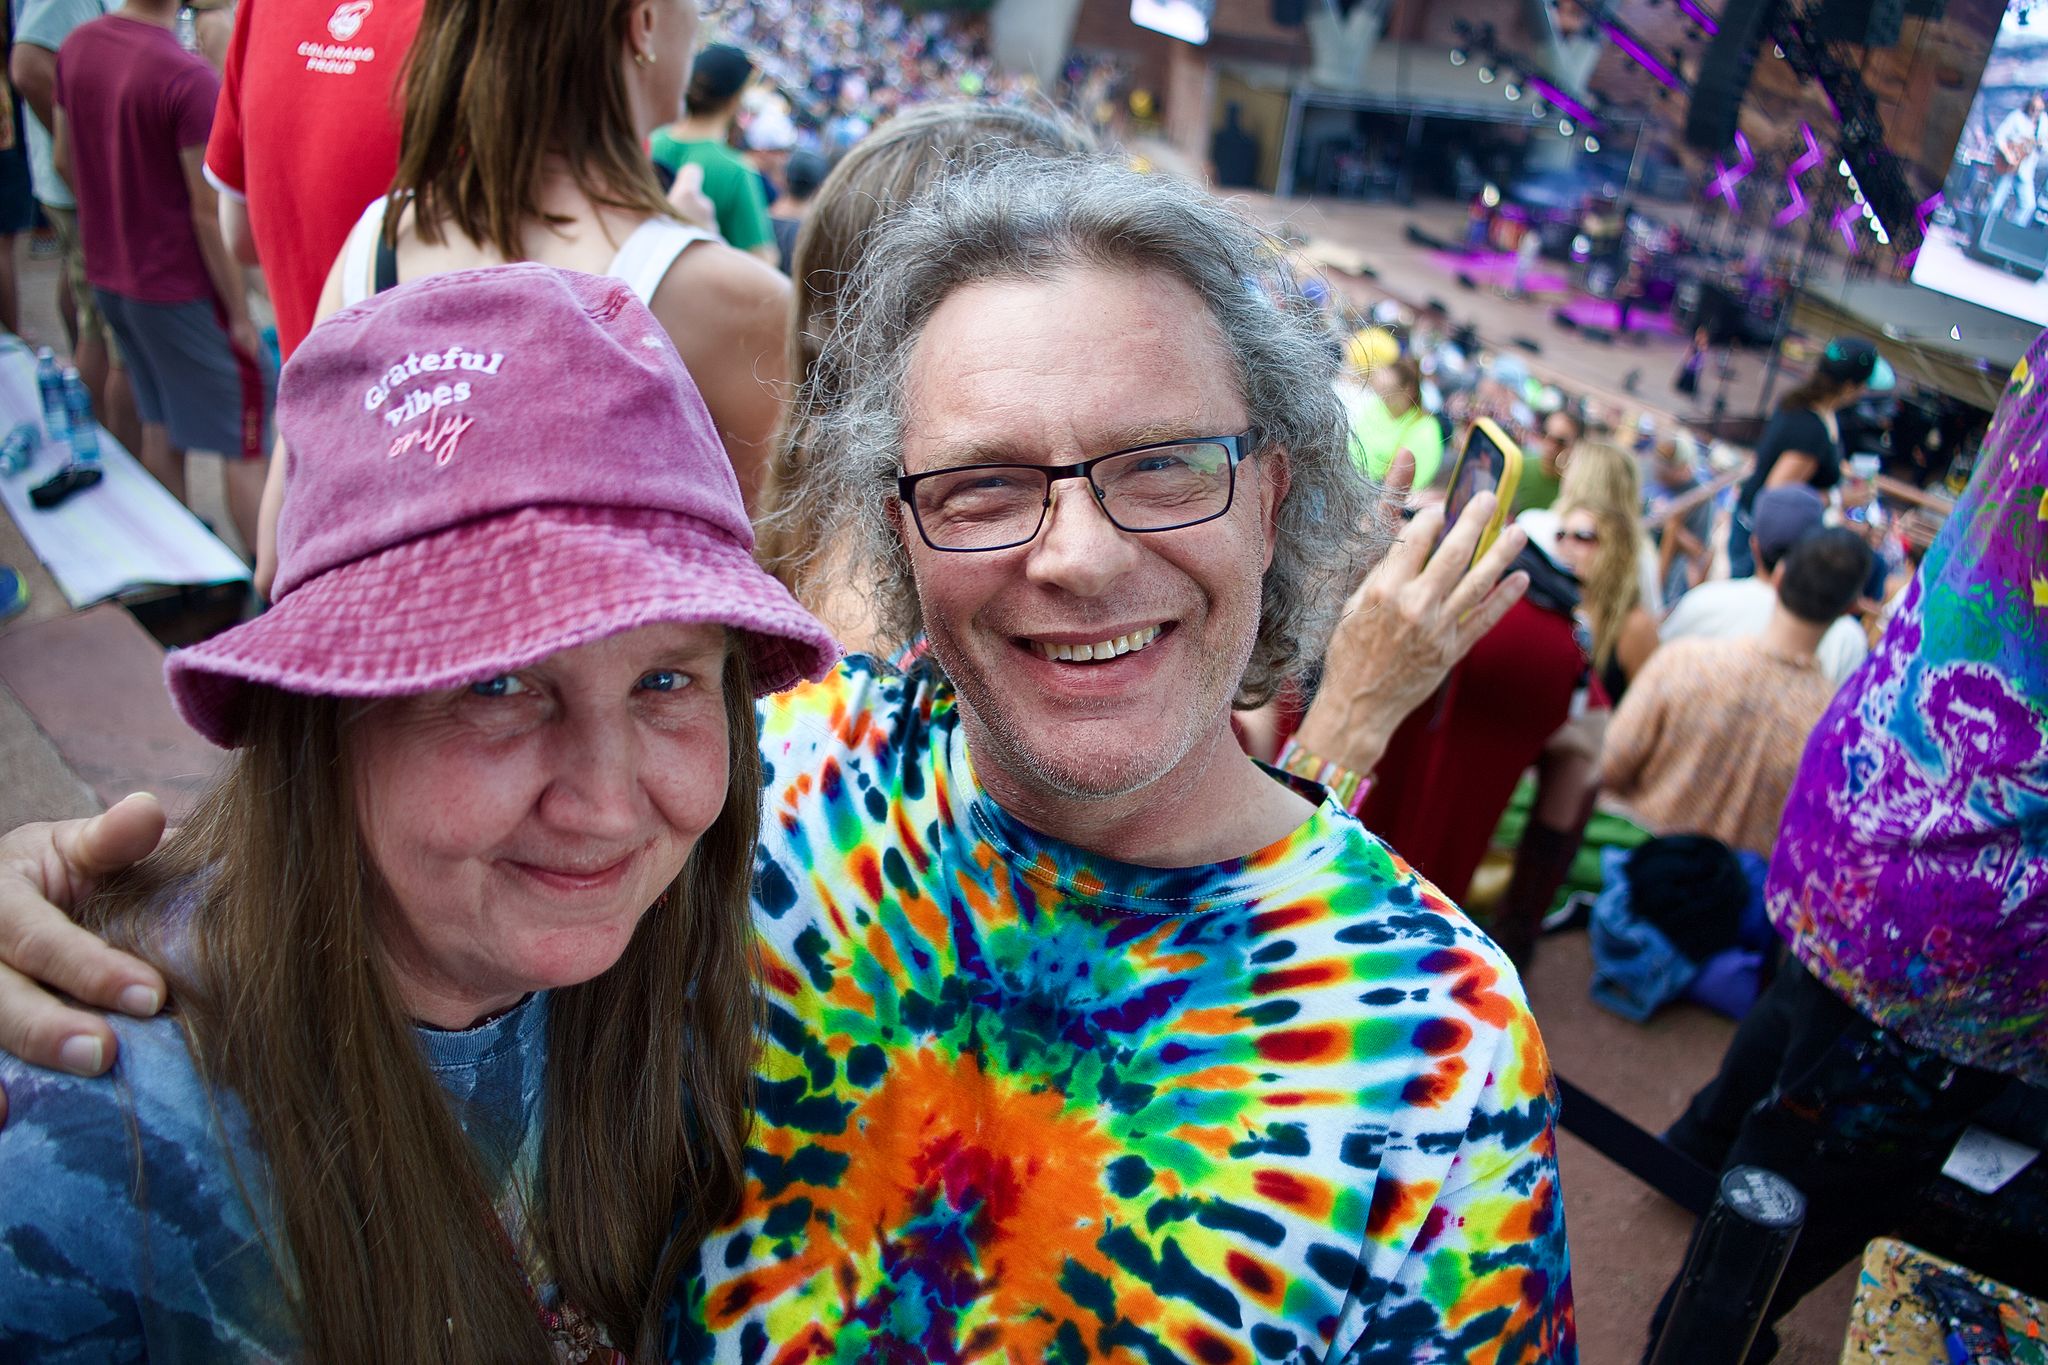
[1023, 1103]
[1911, 872]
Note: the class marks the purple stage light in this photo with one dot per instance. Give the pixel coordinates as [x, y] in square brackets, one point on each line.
[1627, 44]
[1920, 217]
[1726, 177]
[1844, 222]
[1700, 17]
[1796, 209]
[1563, 101]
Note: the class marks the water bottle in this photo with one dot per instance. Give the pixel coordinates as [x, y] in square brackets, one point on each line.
[85, 433]
[20, 447]
[50, 382]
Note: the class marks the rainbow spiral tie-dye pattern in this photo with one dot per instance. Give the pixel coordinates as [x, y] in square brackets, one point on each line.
[1023, 1103]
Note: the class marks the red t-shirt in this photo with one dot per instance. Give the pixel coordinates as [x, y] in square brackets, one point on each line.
[307, 133]
[133, 99]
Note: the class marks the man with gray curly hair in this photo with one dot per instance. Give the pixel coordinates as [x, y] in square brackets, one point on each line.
[1086, 1037]
[1106, 1044]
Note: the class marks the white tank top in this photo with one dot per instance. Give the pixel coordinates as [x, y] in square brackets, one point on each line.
[642, 262]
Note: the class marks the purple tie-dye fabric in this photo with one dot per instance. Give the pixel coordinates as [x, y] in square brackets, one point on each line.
[1911, 871]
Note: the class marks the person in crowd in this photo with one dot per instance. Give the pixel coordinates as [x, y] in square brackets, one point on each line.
[133, 111]
[483, 178]
[1389, 418]
[1596, 538]
[885, 169]
[473, 888]
[1681, 518]
[717, 80]
[802, 174]
[1909, 884]
[1543, 475]
[2019, 139]
[1708, 738]
[40, 28]
[17, 191]
[1729, 608]
[1600, 539]
[1601, 473]
[1802, 443]
[305, 134]
[1450, 767]
[1034, 933]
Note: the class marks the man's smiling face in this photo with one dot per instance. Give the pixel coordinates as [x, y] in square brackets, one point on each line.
[1056, 371]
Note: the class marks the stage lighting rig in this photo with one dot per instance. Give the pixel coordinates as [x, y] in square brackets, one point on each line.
[1873, 173]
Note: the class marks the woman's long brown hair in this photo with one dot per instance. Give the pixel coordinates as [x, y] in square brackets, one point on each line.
[391, 1250]
[492, 89]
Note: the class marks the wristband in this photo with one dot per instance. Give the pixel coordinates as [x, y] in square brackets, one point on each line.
[1349, 787]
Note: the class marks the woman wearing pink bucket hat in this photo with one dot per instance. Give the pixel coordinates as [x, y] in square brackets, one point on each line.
[460, 946]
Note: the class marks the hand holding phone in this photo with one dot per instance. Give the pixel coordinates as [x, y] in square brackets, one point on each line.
[1490, 462]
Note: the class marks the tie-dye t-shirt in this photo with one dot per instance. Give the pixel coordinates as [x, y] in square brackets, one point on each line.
[125, 1232]
[1024, 1103]
[1911, 872]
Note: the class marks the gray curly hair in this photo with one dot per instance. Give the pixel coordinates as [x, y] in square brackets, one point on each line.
[1024, 217]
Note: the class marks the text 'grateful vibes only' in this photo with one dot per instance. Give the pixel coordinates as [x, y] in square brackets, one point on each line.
[442, 430]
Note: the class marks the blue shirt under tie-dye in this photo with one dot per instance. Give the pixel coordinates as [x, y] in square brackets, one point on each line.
[1021, 1102]
[126, 1233]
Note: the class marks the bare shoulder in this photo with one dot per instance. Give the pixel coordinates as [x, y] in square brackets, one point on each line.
[712, 275]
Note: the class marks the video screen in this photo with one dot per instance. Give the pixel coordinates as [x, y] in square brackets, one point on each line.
[1187, 20]
[1988, 242]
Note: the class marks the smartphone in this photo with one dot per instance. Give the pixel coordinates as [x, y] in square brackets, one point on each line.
[1490, 462]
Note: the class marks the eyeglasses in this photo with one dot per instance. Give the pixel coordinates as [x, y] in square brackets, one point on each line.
[1160, 487]
[1582, 537]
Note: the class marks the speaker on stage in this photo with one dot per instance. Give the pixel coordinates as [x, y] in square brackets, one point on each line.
[2021, 248]
[1717, 95]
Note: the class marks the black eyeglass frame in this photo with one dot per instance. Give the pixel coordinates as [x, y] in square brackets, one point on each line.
[1239, 449]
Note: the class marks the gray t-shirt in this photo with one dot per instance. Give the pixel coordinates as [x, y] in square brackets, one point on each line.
[47, 23]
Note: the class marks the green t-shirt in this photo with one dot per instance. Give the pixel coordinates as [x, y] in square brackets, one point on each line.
[1377, 436]
[1538, 486]
[729, 183]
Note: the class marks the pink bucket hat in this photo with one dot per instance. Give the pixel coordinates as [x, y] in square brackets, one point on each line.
[486, 468]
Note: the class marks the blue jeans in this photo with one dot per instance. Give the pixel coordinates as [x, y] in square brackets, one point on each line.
[1741, 558]
[2022, 177]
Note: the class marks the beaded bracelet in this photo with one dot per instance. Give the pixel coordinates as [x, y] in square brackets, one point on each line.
[1350, 788]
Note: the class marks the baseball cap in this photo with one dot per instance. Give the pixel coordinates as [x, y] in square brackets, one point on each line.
[1783, 516]
[720, 72]
[488, 467]
[804, 173]
[1851, 358]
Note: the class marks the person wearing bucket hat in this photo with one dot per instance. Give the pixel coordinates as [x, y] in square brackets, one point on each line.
[1032, 929]
[1802, 442]
[486, 840]
[524, 139]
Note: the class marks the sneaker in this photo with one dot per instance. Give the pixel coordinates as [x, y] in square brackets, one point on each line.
[1575, 913]
[72, 478]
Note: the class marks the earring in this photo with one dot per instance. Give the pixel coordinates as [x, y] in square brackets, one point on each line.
[643, 58]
